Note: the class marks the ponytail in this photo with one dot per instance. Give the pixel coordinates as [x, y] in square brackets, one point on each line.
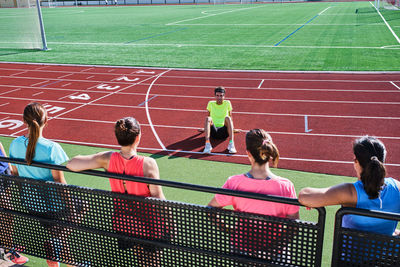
[259, 144]
[370, 154]
[372, 177]
[35, 116]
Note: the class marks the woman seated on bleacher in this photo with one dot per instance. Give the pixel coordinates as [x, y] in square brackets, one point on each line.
[260, 179]
[371, 191]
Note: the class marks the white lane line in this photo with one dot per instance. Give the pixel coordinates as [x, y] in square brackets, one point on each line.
[259, 86]
[63, 76]
[37, 93]
[10, 91]
[387, 24]
[395, 85]
[18, 73]
[4, 104]
[147, 110]
[90, 77]
[36, 84]
[236, 112]
[66, 84]
[211, 15]
[199, 152]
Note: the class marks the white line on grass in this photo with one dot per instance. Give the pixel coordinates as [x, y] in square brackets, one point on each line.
[148, 113]
[225, 45]
[395, 85]
[384, 20]
[277, 24]
[211, 15]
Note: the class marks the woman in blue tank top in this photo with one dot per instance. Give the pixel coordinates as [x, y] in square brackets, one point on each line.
[371, 191]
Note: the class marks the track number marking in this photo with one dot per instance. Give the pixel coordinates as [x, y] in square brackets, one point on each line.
[126, 79]
[52, 109]
[107, 87]
[11, 124]
[145, 72]
[80, 97]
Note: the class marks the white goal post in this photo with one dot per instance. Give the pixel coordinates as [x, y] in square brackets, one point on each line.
[21, 25]
[387, 4]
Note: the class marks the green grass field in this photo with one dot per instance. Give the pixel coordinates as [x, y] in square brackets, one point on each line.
[319, 36]
[206, 173]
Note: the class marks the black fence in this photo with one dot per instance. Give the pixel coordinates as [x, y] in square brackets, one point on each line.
[360, 248]
[91, 227]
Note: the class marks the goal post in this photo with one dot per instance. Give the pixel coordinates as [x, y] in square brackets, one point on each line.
[387, 4]
[21, 25]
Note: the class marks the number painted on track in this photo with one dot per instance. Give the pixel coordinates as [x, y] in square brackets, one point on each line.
[80, 97]
[11, 124]
[52, 109]
[126, 79]
[107, 87]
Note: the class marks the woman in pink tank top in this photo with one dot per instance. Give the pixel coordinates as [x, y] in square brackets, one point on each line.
[126, 218]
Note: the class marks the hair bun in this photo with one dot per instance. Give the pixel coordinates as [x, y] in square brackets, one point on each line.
[374, 158]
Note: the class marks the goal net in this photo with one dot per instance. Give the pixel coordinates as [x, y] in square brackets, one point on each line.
[20, 25]
[387, 4]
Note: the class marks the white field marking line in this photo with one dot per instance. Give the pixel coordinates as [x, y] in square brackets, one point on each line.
[199, 152]
[231, 88]
[259, 86]
[227, 45]
[387, 24]
[276, 24]
[37, 93]
[211, 15]
[195, 128]
[3, 119]
[35, 84]
[10, 91]
[147, 110]
[4, 104]
[63, 76]
[12, 75]
[88, 103]
[256, 99]
[87, 69]
[395, 85]
[67, 95]
[90, 77]
[218, 78]
[236, 112]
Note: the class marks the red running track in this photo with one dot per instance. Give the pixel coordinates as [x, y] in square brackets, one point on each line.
[84, 102]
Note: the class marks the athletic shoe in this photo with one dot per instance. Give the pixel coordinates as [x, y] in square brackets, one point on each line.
[52, 263]
[15, 257]
[231, 148]
[207, 148]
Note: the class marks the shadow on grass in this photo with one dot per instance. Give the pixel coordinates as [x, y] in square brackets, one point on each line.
[16, 51]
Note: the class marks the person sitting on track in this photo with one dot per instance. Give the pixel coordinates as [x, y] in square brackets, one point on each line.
[371, 191]
[219, 123]
[260, 179]
[127, 215]
[34, 147]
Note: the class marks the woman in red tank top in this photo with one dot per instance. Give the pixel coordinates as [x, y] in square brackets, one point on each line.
[126, 218]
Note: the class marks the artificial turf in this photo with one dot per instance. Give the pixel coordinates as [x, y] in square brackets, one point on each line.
[280, 36]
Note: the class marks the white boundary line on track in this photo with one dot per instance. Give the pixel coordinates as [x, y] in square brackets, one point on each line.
[199, 152]
[395, 85]
[195, 128]
[239, 98]
[148, 113]
[194, 77]
[188, 69]
[88, 103]
[384, 20]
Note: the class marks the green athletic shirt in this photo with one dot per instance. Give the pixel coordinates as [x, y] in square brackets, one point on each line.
[219, 112]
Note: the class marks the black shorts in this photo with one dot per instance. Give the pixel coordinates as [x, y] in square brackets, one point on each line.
[219, 132]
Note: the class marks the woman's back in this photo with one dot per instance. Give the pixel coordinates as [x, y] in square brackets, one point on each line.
[388, 201]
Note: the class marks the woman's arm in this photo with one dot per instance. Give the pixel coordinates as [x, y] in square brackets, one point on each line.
[293, 216]
[58, 176]
[5, 155]
[342, 194]
[150, 170]
[89, 162]
[214, 203]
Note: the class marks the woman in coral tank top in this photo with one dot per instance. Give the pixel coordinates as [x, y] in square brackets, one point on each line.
[130, 217]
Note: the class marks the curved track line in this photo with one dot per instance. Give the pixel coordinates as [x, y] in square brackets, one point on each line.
[147, 110]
